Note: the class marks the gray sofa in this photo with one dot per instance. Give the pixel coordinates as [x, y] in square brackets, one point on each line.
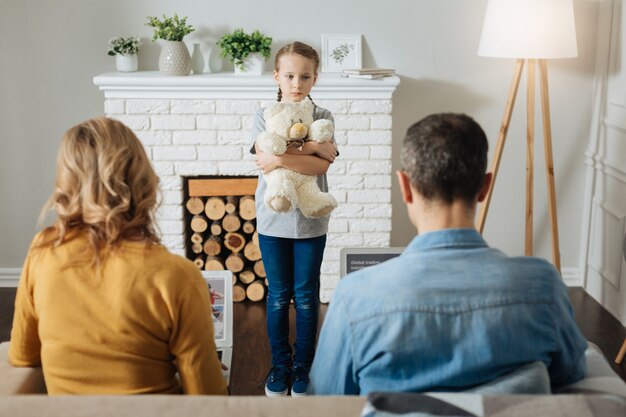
[602, 393]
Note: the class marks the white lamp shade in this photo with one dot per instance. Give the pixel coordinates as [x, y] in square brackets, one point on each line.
[532, 29]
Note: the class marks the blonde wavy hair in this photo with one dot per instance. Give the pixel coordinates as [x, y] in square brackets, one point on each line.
[105, 187]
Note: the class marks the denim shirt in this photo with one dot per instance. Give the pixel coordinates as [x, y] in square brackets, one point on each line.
[448, 314]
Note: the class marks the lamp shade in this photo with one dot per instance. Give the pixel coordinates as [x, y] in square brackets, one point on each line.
[532, 29]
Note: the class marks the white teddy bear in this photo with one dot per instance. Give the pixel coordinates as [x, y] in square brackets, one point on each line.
[287, 123]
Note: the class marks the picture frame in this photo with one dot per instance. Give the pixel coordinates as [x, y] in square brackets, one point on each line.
[341, 51]
[220, 287]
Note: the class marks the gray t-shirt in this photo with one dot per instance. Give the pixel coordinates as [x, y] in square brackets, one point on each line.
[292, 225]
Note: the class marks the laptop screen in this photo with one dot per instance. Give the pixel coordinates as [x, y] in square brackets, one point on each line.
[220, 285]
[353, 259]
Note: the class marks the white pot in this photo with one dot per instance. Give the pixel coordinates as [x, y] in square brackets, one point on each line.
[253, 65]
[174, 58]
[126, 63]
[197, 59]
[214, 63]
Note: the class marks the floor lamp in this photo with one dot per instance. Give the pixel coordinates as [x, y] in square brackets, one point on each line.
[531, 31]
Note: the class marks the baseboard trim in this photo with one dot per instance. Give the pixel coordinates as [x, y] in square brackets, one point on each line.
[10, 277]
[572, 277]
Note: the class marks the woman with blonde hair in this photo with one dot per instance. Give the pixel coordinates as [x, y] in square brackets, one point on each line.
[102, 306]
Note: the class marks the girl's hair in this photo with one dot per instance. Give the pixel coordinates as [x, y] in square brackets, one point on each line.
[297, 48]
[105, 187]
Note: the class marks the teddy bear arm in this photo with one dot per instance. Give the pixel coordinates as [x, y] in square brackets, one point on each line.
[321, 130]
[272, 143]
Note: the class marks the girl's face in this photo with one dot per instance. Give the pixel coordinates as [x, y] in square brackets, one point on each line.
[295, 77]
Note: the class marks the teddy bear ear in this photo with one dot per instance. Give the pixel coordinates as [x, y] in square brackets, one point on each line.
[307, 104]
[273, 110]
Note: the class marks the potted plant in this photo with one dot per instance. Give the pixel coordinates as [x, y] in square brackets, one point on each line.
[125, 52]
[245, 51]
[174, 58]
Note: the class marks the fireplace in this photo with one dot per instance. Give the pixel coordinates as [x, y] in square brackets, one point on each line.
[198, 126]
[220, 231]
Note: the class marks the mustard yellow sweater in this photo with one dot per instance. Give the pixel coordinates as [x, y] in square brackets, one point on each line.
[124, 330]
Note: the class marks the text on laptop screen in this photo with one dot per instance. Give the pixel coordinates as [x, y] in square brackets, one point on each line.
[353, 259]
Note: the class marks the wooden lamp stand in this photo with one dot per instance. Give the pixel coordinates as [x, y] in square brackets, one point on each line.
[530, 141]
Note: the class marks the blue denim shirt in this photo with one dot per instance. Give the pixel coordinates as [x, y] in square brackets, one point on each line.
[448, 314]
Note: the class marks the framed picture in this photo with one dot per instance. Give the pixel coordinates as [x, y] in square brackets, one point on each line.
[341, 52]
[220, 287]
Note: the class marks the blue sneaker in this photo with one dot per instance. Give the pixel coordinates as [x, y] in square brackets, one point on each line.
[300, 382]
[277, 382]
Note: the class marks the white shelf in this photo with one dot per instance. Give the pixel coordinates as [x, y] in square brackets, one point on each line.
[152, 84]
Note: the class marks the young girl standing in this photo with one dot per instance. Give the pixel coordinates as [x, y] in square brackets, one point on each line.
[292, 245]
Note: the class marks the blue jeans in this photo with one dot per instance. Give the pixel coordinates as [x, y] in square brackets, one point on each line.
[293, 270]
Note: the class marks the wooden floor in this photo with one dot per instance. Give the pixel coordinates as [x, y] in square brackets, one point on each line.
[251, 353]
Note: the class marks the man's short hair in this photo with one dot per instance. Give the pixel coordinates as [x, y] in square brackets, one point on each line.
[445, 157]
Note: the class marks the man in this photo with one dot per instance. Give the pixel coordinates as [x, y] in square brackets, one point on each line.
[450, 313]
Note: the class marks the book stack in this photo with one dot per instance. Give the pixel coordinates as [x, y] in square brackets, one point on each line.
[368, 73]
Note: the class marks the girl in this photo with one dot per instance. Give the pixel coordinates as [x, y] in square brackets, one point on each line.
[101, 304]
[292, 245]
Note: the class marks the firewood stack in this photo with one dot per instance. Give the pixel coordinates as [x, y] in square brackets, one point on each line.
[222, 233]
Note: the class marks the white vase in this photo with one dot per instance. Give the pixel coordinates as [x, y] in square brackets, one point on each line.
[126, 63]
[197, 59]
[174, 58]
[253, 65]
[214, 61]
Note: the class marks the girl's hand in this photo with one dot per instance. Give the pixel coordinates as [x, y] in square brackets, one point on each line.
[325, 150]
[267, 162]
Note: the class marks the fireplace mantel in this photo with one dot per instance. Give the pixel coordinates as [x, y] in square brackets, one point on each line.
[200, 125]
[152, 84]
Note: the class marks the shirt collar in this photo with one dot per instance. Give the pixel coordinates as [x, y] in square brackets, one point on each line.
[447, 238]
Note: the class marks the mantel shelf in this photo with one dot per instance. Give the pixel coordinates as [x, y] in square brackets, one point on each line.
[152, 84]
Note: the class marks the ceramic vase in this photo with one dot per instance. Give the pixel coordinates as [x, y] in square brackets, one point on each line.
[253, 65]
[126, 63]
[214, 61]
[197, 59]
[174, 58]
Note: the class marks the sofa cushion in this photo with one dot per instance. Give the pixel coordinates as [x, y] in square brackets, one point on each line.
[473, 405]
[178, 406]
[600, 379]
[14, 380]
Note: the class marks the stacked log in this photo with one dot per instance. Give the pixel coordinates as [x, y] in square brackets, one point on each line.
[256, 290]
[222, 235]
[195, 205]
[235, 263]
[248, 227]
[213, 245]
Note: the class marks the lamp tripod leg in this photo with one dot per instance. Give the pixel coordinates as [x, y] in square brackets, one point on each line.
[530, 158]
[621, 354]
[547, 141]
[504, 127]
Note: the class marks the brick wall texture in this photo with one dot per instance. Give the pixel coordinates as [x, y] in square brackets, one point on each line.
[212, 137]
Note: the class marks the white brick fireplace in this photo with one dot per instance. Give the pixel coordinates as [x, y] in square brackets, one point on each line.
[199, 125]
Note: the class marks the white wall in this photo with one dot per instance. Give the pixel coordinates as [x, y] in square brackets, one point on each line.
[51, 50]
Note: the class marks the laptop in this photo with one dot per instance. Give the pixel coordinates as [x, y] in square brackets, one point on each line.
[220, 285]
[353, 259]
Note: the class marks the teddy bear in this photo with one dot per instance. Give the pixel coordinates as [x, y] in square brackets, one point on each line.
[291, 124]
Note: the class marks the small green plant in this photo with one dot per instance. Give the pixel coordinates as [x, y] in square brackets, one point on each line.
[170, 28]
[123, 46]
[238, 45]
